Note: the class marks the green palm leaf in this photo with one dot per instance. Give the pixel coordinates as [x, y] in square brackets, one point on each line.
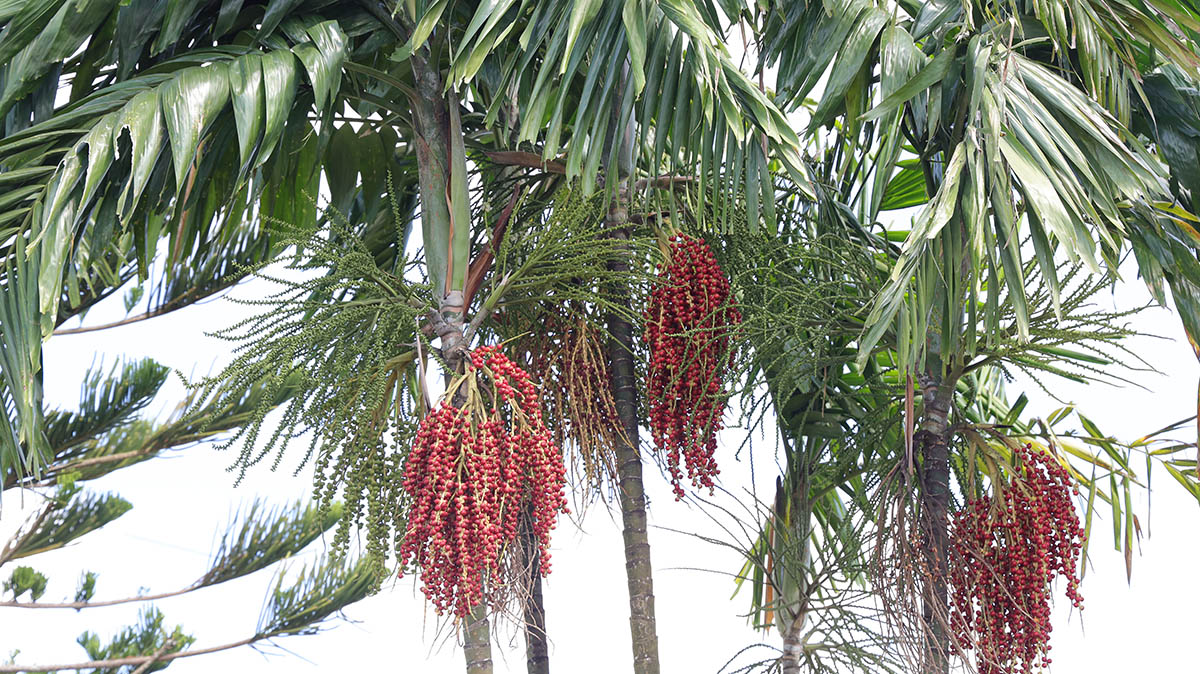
[161, 125]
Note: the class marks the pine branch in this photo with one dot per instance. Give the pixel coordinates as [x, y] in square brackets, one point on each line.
[20, 538]
[265, 538]
[318, 592]
[95, 461]
[220, 413]
[106, 401]
[65, 520]
[129, 661]
[80, 605]
[257, 543]
[157, 657]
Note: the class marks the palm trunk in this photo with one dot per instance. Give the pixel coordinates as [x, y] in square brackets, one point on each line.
[932, 443]
[432, 122]
[632, 494]
[792, 551]
[537, 656]
[477, 633]
[629, 471]
[478, 642]
[793, 648]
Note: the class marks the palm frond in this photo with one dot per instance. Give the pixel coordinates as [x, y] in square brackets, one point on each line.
[100, 168]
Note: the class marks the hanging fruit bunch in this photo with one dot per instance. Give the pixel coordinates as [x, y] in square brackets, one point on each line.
[567, 359]
[1004, 557]
[690, 323]
[480, 458]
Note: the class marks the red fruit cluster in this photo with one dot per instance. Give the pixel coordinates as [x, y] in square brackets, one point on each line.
[690, 324]
[472, 471]
[1003, 560]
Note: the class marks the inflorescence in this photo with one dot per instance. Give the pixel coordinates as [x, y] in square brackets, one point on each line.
[480, 459]
[1005, 556]
[689, 325]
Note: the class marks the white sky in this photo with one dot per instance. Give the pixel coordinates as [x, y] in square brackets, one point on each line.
[181, 502]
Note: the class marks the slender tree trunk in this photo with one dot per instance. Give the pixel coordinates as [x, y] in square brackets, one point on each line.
[793, 557]
[537, 656]
[537, 653]
[793, 648]
[478, 646]
[477, 634]
[932, 442]
[632, 494]
[629, 472]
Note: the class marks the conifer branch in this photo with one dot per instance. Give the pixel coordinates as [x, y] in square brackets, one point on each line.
[21, 537]
[150, 448]
[80, 605]
[66, 516]
[131, 660]
[253, 541]
[168, 645]
[318, 592]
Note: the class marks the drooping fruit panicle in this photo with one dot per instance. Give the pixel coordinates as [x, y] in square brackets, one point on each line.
[689, 327]
[1003, 559]
[481, 458]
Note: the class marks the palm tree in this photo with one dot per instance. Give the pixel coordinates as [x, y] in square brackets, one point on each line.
[1006, 120]
[196, 125]
[208, 127]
